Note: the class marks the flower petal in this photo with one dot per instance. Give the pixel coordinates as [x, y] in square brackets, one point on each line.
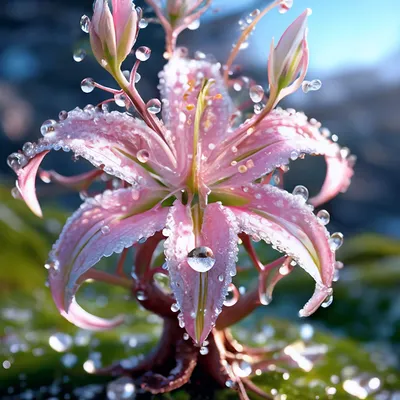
[291, 227]
[200, 295]
[281, 136]
[102, 226]
[180, 84]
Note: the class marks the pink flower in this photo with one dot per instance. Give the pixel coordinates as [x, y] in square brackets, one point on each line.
[193, 180]
[113, 34]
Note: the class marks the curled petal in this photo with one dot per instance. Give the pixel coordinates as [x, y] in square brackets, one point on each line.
[337, 180]
[180, 83]
[104, 225]
[26, 183]
[280, 137]
[200, 295]
[290, 226]
[77, 182]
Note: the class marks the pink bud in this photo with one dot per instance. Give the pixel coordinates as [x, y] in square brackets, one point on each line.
[113, 34]
[289, 57]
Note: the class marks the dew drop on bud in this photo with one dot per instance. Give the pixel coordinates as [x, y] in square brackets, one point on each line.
[323, 217]
[29, 149]
[143, 53]
[256, 93]
[301, 191]
[84, 23]
[336, 240]
[48, 126]
[309, 86]
[201, 259]
[120, 99]
[87, 85]
[16, 161]
[153, 106]
[174, 307]
[79, 55]
[143, 156]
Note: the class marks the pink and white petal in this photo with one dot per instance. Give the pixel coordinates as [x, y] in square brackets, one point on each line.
[76, 182]
[104, 225]
[280, 137]
[286, 222]
[181, 82]
[200, 295]
[337, 180]
[26, 183]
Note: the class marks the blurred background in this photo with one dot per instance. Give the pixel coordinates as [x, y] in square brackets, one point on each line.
[354, 51]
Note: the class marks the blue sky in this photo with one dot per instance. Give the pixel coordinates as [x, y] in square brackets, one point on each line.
[343, 34]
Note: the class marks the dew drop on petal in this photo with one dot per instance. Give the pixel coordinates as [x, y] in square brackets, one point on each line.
[29, 149]
[201, 259]
[221, 278]
[105, 230]
[328, 301]
[85, 23]
[143, 23]
[79, 55]
[63, 115]
[121, 389]
[336, 240]
[16, 161]
[301, 191]
[143, 156]
[256, 93]
[60, 342]
[174, 307]
[323, 217]
[87, 85]
[48, 126]
[230, 299]
[143, 53]
[153, 106]
[294, 155]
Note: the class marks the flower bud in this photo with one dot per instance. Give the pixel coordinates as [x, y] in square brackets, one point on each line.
[289, 58]
[113, 34]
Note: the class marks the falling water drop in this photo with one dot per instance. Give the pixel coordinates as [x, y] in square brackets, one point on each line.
[221, 278]
[301, 191]
[336, 240]
[79, 55]
[143, 156]
[323, 217]
[201, 259]
[143, 53]
[87, 85]
[85, 23]
[153, 106]
[256, 93]
[310, 86]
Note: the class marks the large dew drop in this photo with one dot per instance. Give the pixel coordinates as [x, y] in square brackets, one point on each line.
[201, 259]
[143, 53]
[301, 191]
[256, 93]
[84, 23]
[87, 85]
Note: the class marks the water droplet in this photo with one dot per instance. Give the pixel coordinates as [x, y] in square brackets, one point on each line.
[48, 126]
[63, 115]
[323, 217]
[138, 77]
[256, 93]
[230, 383]
[328, 301]
[120, 99]
[309, 86]
[186, 336]
[143, 156]
[29, 149]
[153, 106]
[242, 169]
[306, 332]
[141, 295]
[294, 155]
[79, 55]
[87, 85]
[230, 299]
[143, 53]
[221, 278]
[16, 161]
[121, 389]
[60, 342]
[285, 6]
[105, 230]
[174, 307]
[201, 259]
[301, 191]
[15, 193]
[69, 360]
[336, 240]
[242, 369]
[203, 350]
[194, 25]
[143, 23]
[265, 299]
[85, 23]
